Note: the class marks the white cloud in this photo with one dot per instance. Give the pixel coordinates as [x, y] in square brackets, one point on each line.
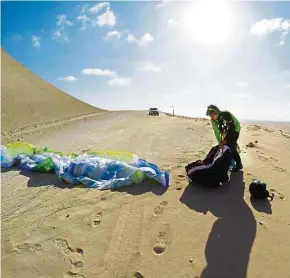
[241, 84]
[113, 34]
[84, 16]
[99, 7]
[68, 78]
[132, 39]
[99, 72]
[59, 36]
[115, 81]
[119, 82]
[84, 20]
[107, 18]
[282, 42]
[84, 8]
[172, 22]
[63, 21]
[36, 41]
[287, 85]
[267, 26]
[150, 68]
[145, 40]
[56, 35]
[88, 15]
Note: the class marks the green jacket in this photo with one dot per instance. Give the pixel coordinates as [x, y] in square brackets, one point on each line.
[225, 123]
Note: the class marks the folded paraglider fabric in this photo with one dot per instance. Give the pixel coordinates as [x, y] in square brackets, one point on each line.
[101, 170]
[213, 170]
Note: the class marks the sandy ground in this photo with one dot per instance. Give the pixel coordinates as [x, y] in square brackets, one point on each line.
[50, 230]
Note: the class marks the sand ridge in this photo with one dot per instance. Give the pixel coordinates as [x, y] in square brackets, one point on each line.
[27, 100]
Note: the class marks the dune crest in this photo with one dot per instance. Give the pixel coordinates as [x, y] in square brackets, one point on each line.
[27, 100]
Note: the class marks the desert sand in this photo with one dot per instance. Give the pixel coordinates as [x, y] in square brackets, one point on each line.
[27, 101]
[52, 230]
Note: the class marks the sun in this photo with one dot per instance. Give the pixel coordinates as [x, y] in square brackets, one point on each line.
[209, 22]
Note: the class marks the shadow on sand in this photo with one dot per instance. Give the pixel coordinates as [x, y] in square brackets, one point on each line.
[230, 241]
[41, 179]
[261, 205]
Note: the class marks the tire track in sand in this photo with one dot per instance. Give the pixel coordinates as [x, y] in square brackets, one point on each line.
[123, 257]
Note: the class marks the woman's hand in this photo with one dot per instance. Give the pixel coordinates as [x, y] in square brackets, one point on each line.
[222, 143]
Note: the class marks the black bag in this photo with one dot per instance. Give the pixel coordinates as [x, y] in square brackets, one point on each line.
[258, 190]
[213, 170]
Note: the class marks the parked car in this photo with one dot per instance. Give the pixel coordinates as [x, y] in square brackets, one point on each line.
[153, 112]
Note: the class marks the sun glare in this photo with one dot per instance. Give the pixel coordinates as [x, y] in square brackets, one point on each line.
[209, 22]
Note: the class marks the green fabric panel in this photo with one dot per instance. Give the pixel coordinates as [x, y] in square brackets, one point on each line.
[46, 166]
[216, 130]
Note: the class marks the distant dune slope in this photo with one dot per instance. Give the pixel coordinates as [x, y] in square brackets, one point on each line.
[28, 100]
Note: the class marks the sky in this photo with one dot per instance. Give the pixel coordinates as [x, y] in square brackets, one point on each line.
[136, 55]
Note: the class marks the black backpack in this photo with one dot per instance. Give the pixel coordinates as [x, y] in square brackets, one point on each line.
[258, 190]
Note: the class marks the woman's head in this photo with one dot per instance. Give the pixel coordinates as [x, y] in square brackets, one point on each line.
[213, 117]
[212, 111]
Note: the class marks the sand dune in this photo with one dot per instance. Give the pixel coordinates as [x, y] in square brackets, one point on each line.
[27, 100]
[51, 230]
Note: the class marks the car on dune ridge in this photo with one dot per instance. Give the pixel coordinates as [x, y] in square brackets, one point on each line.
[153, 112]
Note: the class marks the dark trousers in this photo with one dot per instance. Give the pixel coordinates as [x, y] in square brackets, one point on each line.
[231, 141]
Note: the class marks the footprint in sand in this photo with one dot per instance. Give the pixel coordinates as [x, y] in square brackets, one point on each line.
[26, 247]
[174, 167]
[74, 256]
[273, 158]
[282, 170]
[80, 251]
[179, 182]
[163, 239]
[263, 158]
[250, 175]
[96, 221]
[138, 275]
[74, 275]
[178, 185]
[63, 245]
[159, 209]
[76, 265]
[277, 194]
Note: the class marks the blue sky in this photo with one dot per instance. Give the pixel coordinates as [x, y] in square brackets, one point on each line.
[133, 55]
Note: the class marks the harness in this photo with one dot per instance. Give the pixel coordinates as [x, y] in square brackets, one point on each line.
[218, 155]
